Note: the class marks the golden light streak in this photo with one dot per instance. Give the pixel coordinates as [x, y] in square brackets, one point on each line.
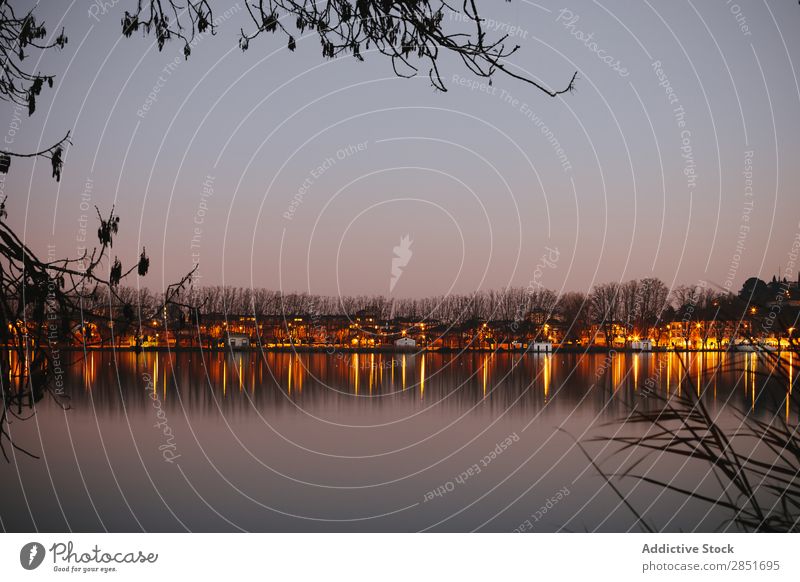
[547, 371]
[422, 378]
[355, 367]
[485, 374]
[371, 370]
[699, 364]
[789, 394]
[91, 371]
[745, 373]
[300, 373]
[669, 370]
[752, 357]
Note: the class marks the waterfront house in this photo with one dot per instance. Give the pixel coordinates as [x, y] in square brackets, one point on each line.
[405, 342]
[236, 341]
[642, 345]
[541, 347]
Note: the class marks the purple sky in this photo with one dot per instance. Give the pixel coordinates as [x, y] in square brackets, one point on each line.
[611, 182]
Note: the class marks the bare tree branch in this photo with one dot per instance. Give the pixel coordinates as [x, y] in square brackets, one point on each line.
[20, 87]
[411, 33]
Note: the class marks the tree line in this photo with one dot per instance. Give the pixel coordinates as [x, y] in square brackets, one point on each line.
[638, 304]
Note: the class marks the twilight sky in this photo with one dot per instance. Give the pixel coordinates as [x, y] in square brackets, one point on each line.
[284, 170]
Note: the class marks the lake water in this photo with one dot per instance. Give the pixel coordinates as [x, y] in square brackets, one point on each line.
[360, 442]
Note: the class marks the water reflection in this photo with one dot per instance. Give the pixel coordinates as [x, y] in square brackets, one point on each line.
[520, 383]
[350, 435]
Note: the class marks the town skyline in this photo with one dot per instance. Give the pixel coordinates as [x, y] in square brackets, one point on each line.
[638, 314]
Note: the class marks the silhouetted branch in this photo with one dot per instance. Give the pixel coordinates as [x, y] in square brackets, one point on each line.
[54, 303]
[20, 87]
[411, 33]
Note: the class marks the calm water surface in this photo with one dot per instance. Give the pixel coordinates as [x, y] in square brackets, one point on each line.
[317, 442]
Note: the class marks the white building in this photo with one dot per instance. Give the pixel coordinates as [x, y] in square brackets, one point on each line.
[643, 345]
[405, 342]
[541, 347]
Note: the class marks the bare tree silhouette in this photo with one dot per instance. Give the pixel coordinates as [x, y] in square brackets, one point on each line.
[51, 303]
[47, 303]
[411, 33]
[18, 35]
